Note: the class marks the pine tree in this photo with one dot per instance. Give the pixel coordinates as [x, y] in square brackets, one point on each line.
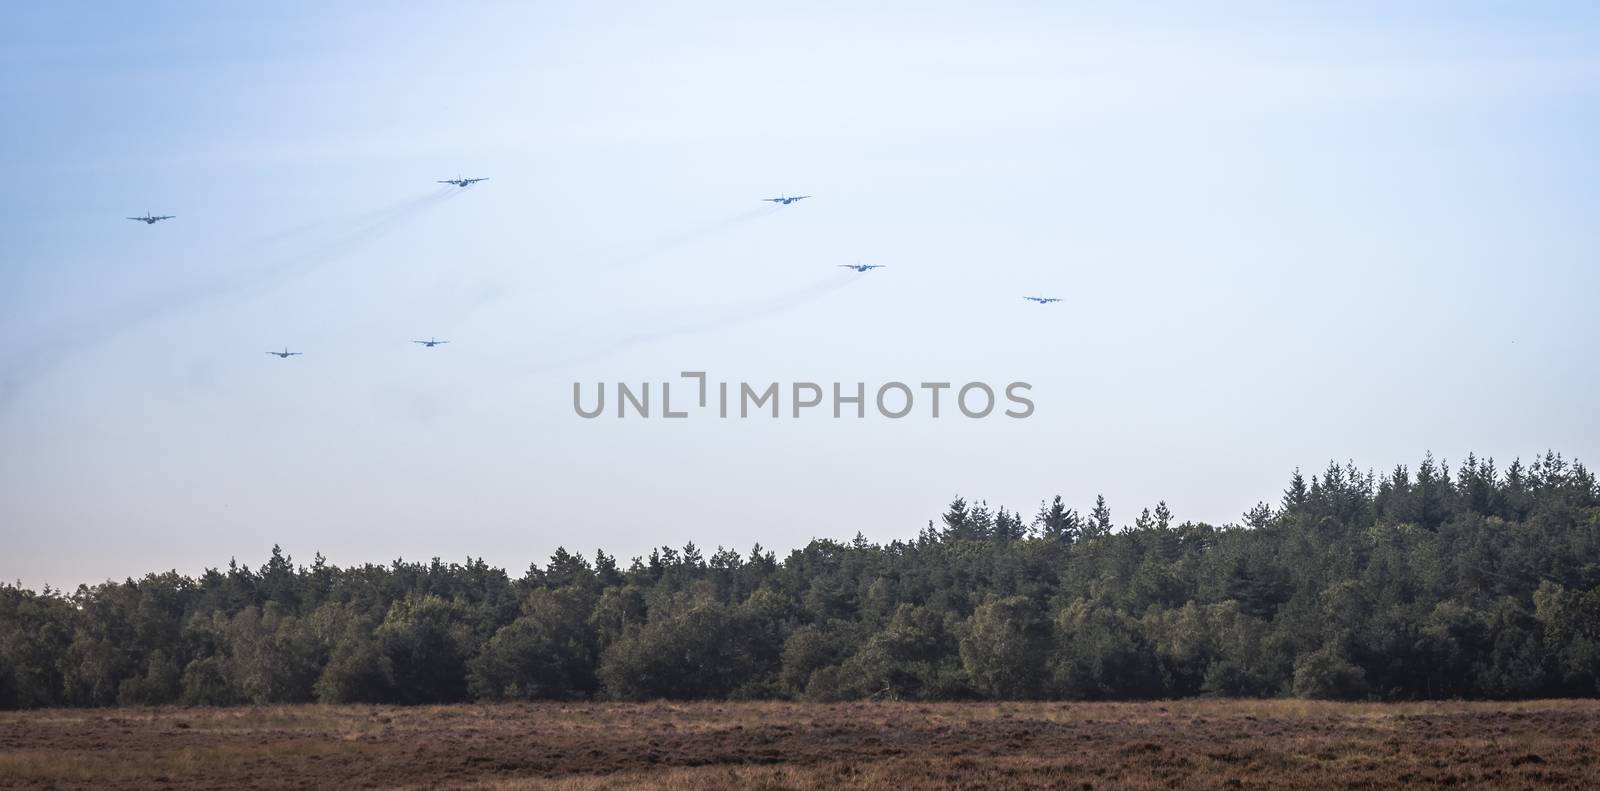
[956, 520]
[1295, 497]
[1163, 516]
[1008, 526]
[1099, 519]
[566, 568]
[1258, 517]
[980, 522]
[963, 522]
[605, 569]
[692, 557]
[1055, 522]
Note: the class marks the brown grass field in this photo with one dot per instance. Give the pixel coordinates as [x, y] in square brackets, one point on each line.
[1180, 744]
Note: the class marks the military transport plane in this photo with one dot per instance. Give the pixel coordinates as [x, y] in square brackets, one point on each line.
[285, 354]
[430, 342]
[152, 219]
[1043, 300]
[786, 200]
[461, 182]
[860, 267]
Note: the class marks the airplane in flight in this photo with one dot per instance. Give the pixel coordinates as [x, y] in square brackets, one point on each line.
[860, 267]
[1044, 300]
[430, 342]
[285, 354]
[152, 219]
[786, 200]
[461, 182]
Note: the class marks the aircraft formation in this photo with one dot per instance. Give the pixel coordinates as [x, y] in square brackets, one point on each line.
[458, 181]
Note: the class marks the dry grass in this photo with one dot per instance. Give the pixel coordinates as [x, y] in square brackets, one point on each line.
[1174, 744]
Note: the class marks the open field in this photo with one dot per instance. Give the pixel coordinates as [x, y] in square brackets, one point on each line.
[1183, 744]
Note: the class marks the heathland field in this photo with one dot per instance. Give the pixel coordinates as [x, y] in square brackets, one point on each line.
[1183, 744]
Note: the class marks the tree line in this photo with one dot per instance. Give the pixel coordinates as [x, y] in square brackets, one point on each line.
[1475, 582]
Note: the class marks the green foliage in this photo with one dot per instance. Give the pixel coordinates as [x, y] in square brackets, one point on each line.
[273, 657]
[1571, 624]
[1101, 654]
[1326, 674]
[425, 640]
[35, 633]
[1419, 583]
[358, 671]
[915, 657]
[690, 648]
[205, 683]
[548, 653]
[811, 659]
[1005, 648]
[161, 683]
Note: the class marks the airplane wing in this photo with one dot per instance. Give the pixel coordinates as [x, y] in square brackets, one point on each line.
[424, 343]
[767, 200]
[440, 343]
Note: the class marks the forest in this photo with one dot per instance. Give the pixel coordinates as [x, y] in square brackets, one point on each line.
[1428, 583]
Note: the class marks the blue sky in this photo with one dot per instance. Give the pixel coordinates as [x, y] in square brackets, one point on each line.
[1285, 233]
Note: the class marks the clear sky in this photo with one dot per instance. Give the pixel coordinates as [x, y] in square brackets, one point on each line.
[1284, 233]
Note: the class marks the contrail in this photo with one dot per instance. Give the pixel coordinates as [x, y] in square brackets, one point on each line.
[642, 251]
[37, 358]
[773, 305]
[690, 236]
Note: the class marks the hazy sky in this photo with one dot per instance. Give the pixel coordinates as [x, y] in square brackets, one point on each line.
[1283, 233]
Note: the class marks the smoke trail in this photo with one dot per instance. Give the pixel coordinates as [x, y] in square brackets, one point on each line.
[39, 357]
[771, 306]
[687, 237]
[640, 253]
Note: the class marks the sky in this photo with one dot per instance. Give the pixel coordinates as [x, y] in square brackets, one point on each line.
[1283, 234]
